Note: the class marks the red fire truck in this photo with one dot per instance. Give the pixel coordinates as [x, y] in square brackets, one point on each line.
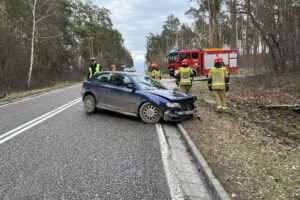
[202, 60]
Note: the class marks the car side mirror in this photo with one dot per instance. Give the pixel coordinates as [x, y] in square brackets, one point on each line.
[131, 86]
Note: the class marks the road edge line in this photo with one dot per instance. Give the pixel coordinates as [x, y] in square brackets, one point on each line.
[174, 184]
[217, 190]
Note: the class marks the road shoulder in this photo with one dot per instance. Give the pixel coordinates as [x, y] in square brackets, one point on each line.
[193, 185]
[21, 96]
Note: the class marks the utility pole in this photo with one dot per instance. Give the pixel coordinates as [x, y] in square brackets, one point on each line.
[91, 46]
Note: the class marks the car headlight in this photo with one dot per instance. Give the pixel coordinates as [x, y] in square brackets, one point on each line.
[173, 105]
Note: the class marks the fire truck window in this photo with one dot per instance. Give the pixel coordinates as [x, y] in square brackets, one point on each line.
[194, 55]
[172, 58]
[184, 56]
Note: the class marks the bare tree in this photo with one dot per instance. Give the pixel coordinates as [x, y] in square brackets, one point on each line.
[213, 11]
[233, 30]
[36, 6]
[211, 23]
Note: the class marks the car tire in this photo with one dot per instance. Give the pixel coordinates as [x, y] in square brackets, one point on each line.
[149, 113]
[89, 102]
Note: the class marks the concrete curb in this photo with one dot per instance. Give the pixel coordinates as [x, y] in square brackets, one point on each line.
[217, 190]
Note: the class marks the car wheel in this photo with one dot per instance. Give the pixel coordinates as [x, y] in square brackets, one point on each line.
[149, 113]
[89, 103]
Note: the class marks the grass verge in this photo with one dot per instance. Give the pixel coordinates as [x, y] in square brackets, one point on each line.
[254, 152]
[19, 95]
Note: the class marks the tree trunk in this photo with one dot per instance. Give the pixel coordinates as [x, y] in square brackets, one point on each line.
[203, 23]
[247, 46]
[297, 37]
[216, 27]
[281, 57]
[32, 43]
[275, 63]
[210, 25]
[233, 29]
[242, 38]
[213, 23]
[255, 45]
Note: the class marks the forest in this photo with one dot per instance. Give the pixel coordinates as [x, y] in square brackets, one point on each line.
[48, 41]
[265, 32]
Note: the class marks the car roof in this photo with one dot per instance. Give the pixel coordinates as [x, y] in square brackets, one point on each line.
[121, 72]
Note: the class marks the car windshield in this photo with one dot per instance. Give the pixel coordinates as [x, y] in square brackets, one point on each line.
[147, 83]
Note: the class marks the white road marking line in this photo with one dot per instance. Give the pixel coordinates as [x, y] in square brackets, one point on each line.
[10, 134]
[174, 184]
[36, 95]
[34, 120]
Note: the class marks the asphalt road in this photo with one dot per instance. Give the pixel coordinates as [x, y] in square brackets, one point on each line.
[74, 156]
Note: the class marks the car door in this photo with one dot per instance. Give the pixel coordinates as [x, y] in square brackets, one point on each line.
[122, 98]
[102, 89]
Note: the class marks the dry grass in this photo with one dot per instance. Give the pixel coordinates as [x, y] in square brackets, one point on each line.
[253, 151]
[19, 95]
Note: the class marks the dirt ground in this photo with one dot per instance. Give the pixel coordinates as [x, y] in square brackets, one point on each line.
[254, 151]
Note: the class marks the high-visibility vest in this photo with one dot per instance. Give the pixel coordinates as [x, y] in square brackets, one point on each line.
[218, 75]
[185, 74]
[155, 74]
[97, 70]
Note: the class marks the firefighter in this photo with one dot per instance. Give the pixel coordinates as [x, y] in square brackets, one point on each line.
[185, 76]
[218, 83]
[94, 67]
[155, 72]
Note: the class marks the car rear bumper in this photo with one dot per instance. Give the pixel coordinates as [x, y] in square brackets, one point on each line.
[174, 115]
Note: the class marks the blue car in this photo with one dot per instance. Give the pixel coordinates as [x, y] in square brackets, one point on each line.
[136, 95]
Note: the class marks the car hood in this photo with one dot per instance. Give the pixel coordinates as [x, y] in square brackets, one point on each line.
[171, 95]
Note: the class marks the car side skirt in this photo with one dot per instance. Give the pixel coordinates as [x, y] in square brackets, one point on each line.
[117, 111]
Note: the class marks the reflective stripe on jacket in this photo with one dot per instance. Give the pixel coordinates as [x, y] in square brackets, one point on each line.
[97, 70]
[185, 74]
[218, 75]
[155, 74]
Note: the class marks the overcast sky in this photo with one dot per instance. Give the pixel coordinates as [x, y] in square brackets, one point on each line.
[135, 19]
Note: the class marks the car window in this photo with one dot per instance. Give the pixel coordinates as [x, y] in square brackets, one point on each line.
[120, 80]
[103, 78]
[126, 80]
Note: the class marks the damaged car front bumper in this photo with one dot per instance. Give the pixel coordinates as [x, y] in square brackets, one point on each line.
[174, 115]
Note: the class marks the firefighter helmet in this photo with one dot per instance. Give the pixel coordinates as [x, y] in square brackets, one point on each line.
[185, 62]
[218, 59]
[153, 65]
